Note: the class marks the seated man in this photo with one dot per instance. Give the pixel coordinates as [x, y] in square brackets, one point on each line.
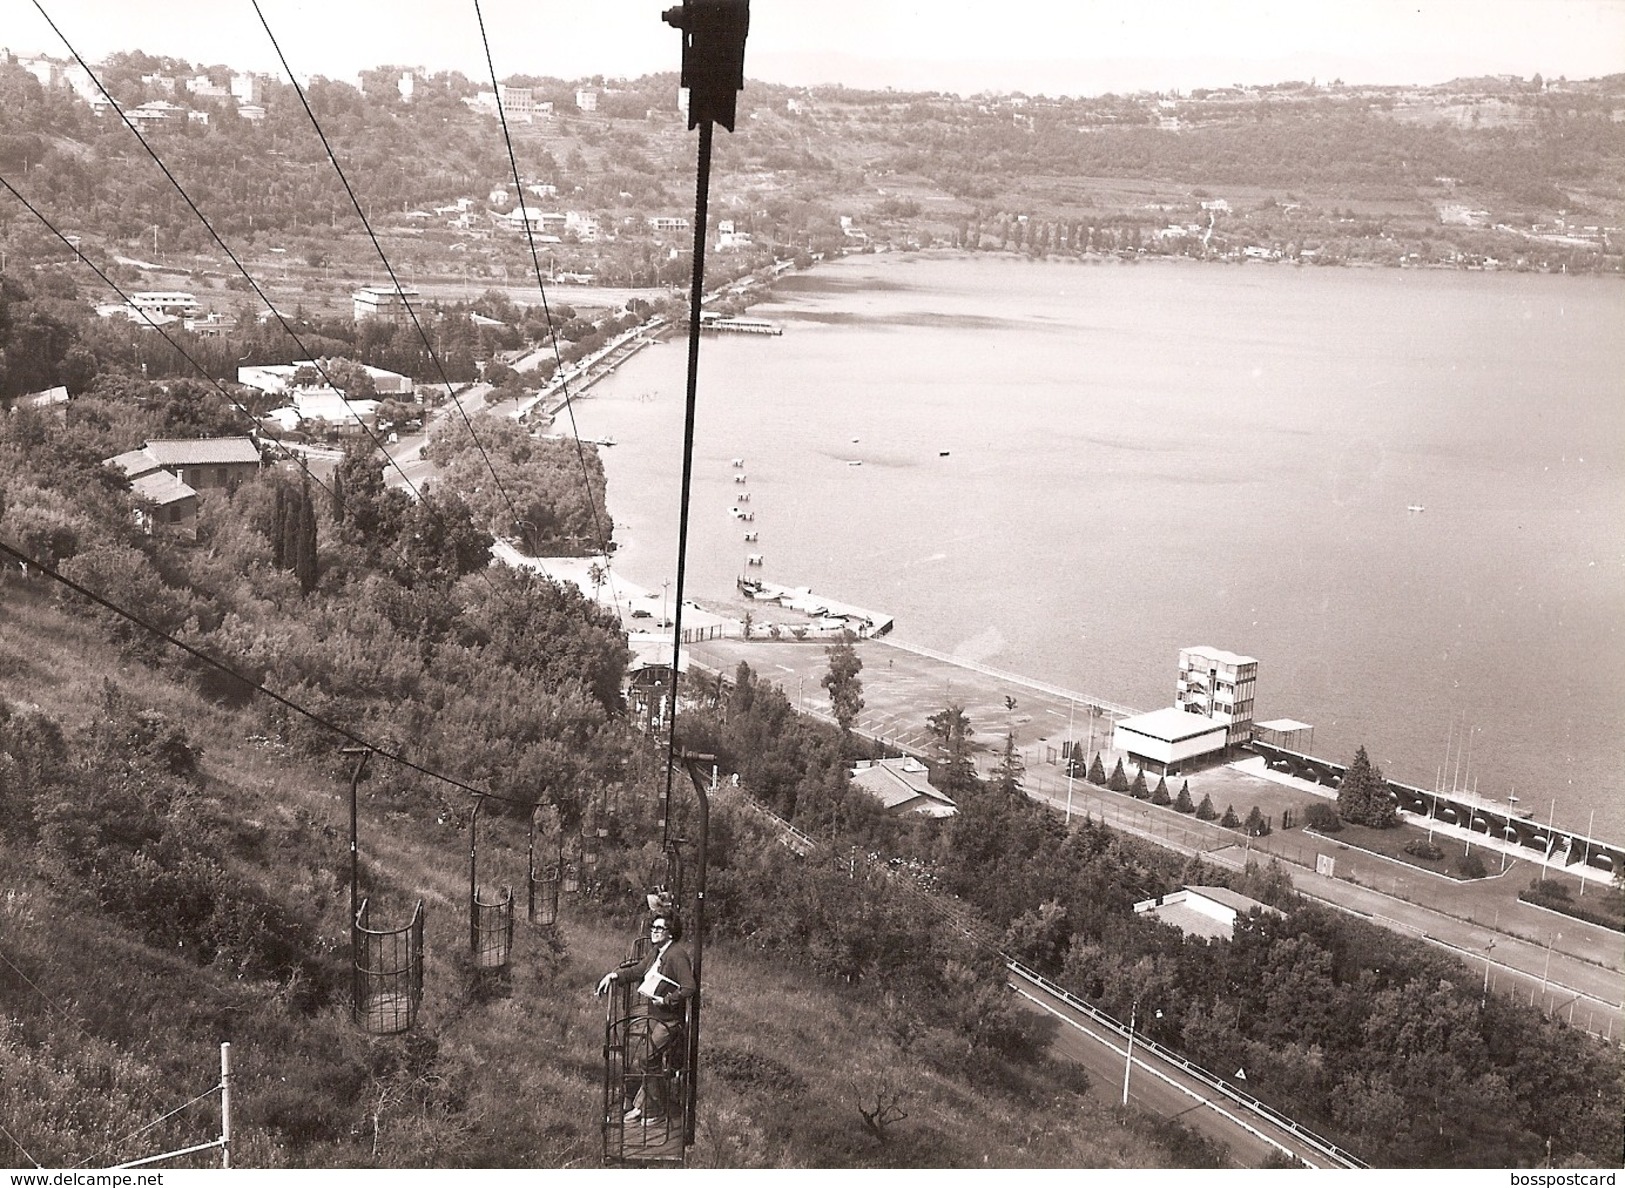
[664, 978]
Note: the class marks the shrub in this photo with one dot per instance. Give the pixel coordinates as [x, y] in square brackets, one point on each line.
[1205, 811]
[1471, 866]
[1138, 789]
[1424, 848]
[1159, 794]
[1322, 818]
[1230, 820]
[1119, 780]
[1548, 889]
[1097, 772]
[1257, 824]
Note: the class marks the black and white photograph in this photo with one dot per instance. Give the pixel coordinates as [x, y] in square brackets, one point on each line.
[783, 586]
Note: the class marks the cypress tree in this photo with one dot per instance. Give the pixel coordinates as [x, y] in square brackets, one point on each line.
[1256, 825]
[1182, 802]
[304, 565]
[279, 528]
[1205, 811]
[1138, 788]
[1119, 780]
[290, 531]
[1230, 820]
[1159, 795]
[1097, 772]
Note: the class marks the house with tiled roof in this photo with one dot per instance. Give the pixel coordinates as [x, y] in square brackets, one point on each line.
[165, 504]
[166, 476]
[203, 463]
[902, 786]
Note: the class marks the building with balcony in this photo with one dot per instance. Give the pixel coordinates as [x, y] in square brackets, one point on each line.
[1219, 685]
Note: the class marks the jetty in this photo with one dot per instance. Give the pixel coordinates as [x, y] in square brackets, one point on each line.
[863, 623]
[712, 323]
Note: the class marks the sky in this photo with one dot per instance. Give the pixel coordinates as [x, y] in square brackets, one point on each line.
[1081, 47]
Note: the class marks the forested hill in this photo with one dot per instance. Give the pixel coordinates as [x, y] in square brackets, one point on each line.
[1512, 172]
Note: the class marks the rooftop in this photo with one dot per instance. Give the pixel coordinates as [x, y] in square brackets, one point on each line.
[902, 783]
[1171, 724]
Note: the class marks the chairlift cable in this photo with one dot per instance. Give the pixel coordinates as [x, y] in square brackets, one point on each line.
[389, 268]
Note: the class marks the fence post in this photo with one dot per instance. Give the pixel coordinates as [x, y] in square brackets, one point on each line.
[225, 1105]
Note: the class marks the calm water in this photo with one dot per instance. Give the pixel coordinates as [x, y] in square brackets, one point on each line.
[1140, 458]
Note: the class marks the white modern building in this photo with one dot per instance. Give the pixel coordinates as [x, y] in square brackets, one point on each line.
[1165, 740]
[1219, 685]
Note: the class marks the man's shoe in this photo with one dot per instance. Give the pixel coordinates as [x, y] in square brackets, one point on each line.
[655, 1120]
[632, 1115]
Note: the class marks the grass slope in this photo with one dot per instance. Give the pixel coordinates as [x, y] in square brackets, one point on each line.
[100, 1033]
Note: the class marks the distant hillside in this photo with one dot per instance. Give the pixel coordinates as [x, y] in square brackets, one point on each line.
[1474, 172]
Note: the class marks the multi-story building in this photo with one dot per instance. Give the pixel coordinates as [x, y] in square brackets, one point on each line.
[1219, 685]
[383, 301]
[1212, 714]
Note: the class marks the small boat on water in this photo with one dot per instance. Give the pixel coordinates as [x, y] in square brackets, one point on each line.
[1414, 507]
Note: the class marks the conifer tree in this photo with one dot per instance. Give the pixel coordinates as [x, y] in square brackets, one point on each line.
[1363, 796]
[1257, 826]
[1097, 772]
[1119, 780]
[1230, 820]
[304, 558]
[1182, 802]
[1159, 794]
[1205, 811]
[1138, 788]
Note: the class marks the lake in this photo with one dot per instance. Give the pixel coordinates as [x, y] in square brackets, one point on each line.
[1070, 471]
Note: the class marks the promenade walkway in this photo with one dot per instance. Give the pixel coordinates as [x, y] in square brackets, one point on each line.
[1573, 968]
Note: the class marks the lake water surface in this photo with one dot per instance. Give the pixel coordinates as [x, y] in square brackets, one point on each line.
[1071, 471]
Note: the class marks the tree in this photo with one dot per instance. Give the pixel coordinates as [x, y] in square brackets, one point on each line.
[951, 730]
[845, 689]
[1119, 780]
[1138, 789]
[1182, 802]
[1230, 820]
[1007, 774]
[1205, 811]
[1256, 825]
[1097, 772]
[1363, 796]
[1159, 794]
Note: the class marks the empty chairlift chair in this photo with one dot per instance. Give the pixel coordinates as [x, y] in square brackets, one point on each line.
[490, 912]
[546, 867]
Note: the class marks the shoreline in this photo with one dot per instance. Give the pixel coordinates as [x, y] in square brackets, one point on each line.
[645, 539]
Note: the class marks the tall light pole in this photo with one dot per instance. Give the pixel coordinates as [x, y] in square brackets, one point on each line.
[1485, 996]
[1592, 821]
[1071, 757]
[1546, 973]
[1128, 1059]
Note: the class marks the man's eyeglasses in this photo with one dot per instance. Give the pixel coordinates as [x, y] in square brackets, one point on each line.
[658, 928]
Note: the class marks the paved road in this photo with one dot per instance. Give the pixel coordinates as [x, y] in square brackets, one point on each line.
[1159, 1086]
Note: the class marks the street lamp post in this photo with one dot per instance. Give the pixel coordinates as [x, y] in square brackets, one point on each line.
[1546, 973]
[1071, 758]
[1484, 998]
[1128, 1059]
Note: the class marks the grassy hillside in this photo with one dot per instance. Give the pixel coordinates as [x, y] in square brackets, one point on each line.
[107, 1025]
